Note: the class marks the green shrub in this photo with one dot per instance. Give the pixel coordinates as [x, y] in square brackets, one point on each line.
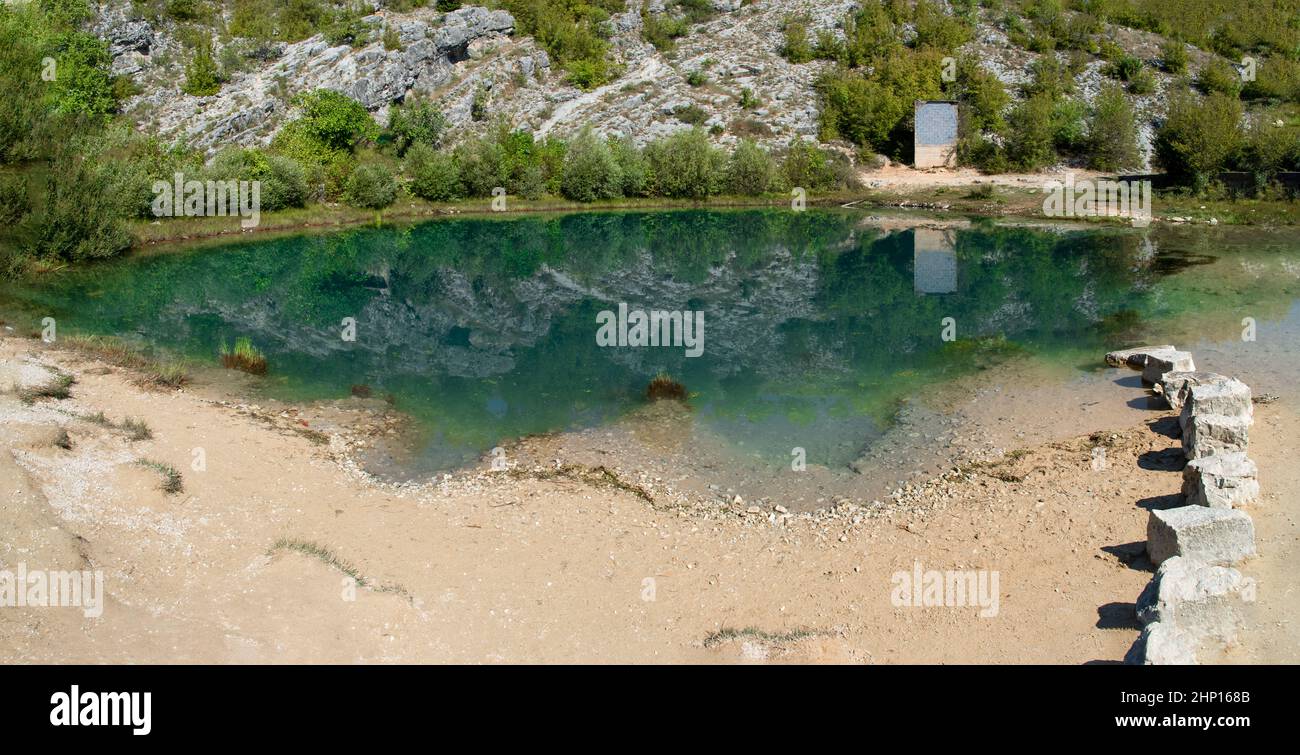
[415, 123]
[370, 186]
[982, 94]
[1031, 134]
[1277, 78]
[1219, 76]
[83, 85]
[201, 75]
[481, 163]
[1173, 57]
[632, 167]
[795, 46]
[434, 175]
[750, 170]
[1197, 138]
[283, 180]
[685, 165]
[1112, 132]
[590, 170]
[807, 166]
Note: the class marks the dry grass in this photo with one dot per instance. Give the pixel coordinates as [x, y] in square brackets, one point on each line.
[58, 387]
[171, 479]
[156, 373]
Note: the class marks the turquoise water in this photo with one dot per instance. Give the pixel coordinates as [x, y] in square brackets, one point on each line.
[485, 329]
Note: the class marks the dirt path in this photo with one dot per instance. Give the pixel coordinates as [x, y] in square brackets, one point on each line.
[519, 566]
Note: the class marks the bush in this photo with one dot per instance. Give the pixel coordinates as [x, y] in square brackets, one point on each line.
[1219, 76]
[370, 186]
[415, 123]
[982, 94]
[795, 46]
[283, 180]
[1196, 139]
[809, 167]
[1112, 132]
[83, 85]
[750, 170]
[481, 163]
[80, 205]
[334, 120]
[685, 165]
[201, 76]
[1173, 57]
[434, 175]
[631, 167]
[1031, 134]
[590, 170]
[1276, 78]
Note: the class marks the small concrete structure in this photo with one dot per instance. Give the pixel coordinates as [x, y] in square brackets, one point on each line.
[935, 140]
[934, 261]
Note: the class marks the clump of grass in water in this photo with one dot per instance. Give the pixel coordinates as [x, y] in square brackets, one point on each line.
[330, 559]
[171, 479]
[664, 387]
[246, 357]
[58, 387]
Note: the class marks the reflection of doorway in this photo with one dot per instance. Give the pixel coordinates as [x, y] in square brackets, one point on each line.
[934, 261]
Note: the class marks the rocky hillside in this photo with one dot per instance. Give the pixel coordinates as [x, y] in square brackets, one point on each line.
[727, 73]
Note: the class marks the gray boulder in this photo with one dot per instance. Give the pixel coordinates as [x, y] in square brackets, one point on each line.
[1209, 434]
[1177, 386]
[1162, 644]
[1135, 358]
[1164, 361]
[1228, 397]
[1215, 536]
[1221, 480]
[1198, 598]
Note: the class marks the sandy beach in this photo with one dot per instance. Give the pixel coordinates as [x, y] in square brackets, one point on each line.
[282, 550]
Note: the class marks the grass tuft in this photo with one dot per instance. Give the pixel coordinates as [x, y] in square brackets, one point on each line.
[664, 387]
[332, 560]
[171, 479]
[727, 634]
[246, 357]
[154, 372]
[135, 429]
[58, 387]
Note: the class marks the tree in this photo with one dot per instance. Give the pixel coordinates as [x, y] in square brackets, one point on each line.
[1031, 136]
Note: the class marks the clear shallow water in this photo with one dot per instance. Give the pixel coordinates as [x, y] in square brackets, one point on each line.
[817, 324]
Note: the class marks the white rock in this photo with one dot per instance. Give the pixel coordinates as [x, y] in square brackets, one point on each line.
[1208, 434]
[1201, 599]
[1222, 480]
[1215, 536]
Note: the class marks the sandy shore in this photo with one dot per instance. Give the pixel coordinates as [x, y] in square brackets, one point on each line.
[564, 564]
